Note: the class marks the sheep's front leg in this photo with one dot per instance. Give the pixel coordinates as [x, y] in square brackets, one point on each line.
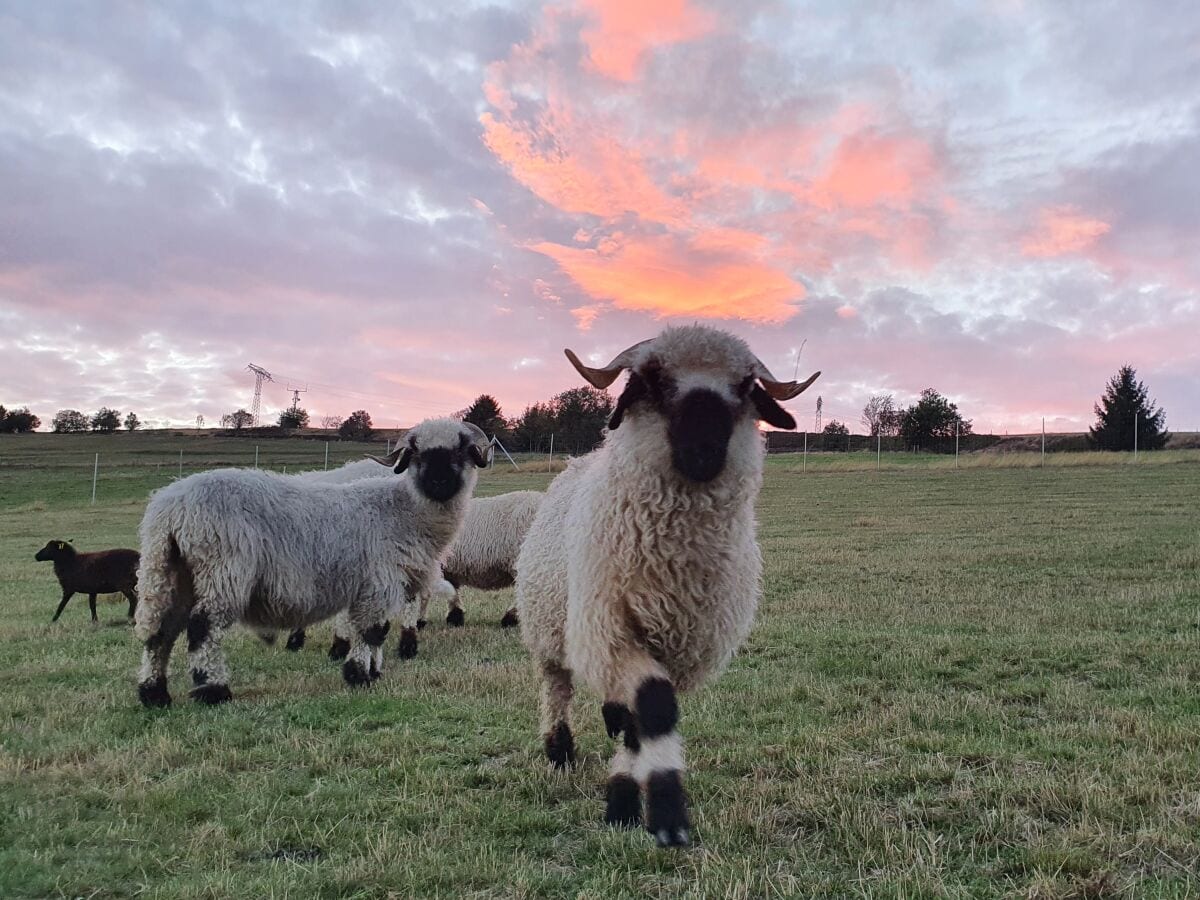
[295, 641]
[655, 758]
[206, 628]
[92, 607]
[623, 797]
[369, 627]
[410, 614]
[67, 595]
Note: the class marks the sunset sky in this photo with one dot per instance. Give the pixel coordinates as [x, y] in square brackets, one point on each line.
[400, 206]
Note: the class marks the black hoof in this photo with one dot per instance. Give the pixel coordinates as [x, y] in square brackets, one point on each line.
[614, 718]
[666, 810]
[212, 694]
[624, 806]
[455, 618]
[421, 623]
[154, 694]
[511, 619]
[354, 674]
[295, 640]
[339, 649]
[560, 746]
[407, 646]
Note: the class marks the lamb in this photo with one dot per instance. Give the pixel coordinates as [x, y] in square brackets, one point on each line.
[641, 573]
[236, 545]
[102, 572]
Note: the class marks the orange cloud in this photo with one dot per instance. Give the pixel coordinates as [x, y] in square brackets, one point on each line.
[622, 31]
[655, 275]
[1061, 231]
[870, 170]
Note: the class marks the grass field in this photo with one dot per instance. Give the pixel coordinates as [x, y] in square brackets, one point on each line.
[982, 682]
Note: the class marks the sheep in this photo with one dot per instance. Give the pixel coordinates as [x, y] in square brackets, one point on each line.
[483, 556]
[641, 571]
[236, 545]
[102, 572]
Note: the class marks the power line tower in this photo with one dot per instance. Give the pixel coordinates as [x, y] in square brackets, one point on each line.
[260, 375]
[817, 418]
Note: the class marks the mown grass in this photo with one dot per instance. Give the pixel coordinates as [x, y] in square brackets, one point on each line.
[979, 682]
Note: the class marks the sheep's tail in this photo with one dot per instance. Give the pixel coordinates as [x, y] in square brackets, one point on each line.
[164, 581]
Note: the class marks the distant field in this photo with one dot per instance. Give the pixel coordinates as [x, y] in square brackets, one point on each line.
[982, 682]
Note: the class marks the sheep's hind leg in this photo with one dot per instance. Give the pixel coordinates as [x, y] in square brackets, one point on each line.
[206, 659]
[92, 607]
[557, 691]
[132, 598]
[152, 680]
[623, 803]
[510, 619]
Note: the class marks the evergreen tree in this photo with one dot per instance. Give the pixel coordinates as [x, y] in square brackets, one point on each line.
[531, 432]
[834, 436]
[485, 412]
[1126, 402]
[293, 417]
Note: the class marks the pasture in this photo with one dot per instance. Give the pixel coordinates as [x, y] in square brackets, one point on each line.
[977, 682]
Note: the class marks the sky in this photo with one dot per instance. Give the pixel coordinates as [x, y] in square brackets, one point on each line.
[399, 206]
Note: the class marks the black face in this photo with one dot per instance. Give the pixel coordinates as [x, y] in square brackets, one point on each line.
[700, 422]
[52, 550]
[439, 473]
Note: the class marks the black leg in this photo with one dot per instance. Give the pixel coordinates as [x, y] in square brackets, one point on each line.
[92, 606]
[67, 595]
[295, 640]
[132, 598]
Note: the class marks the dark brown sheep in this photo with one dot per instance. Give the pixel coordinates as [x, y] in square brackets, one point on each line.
[103, 572]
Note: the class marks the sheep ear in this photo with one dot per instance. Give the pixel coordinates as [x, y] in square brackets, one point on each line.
[770, 411]
[405, 459]
[635, 390]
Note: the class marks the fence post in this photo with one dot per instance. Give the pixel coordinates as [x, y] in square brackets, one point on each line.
[256, 456]
[878, 448]
[1135, 427]
[95, 473]
[327, 456]
[956, 445]
[550, 464]
[180, 462]
[1043, 441]
[804, 461]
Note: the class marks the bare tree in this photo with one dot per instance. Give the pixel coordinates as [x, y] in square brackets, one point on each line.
[880, 415]
[331, 422]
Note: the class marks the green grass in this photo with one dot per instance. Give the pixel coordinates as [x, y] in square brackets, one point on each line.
[980, 682]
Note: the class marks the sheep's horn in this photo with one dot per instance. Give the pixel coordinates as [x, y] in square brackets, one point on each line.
[602, 378]
[480, 437]
[780, 390]
[390, 460]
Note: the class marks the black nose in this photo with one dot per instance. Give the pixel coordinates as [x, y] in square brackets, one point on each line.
[699, 430]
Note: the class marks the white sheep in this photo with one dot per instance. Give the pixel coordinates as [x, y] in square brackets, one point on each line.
[641, 572]
[483, 556]
[237, 545]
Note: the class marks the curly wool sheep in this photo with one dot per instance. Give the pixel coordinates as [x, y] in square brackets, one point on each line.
[236, 545]
[641, 572]
[101, 572]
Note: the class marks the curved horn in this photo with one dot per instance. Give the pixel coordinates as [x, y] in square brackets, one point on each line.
[480, 437]
[602, 378]
[390, 460]
[780, 390]
[481, 446]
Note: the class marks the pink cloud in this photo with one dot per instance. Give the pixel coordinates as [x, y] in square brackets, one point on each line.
[1062, 231]
[621, 32]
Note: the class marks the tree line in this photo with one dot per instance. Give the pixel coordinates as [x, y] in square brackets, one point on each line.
[576, 418]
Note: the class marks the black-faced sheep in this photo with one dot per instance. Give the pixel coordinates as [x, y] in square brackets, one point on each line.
[238, 545]
[102, 572]
[641, 573]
